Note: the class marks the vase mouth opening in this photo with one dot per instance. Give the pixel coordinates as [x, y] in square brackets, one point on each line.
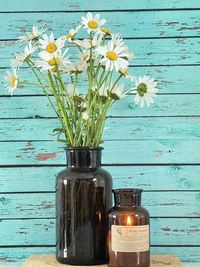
[83, 148]
[127, 191]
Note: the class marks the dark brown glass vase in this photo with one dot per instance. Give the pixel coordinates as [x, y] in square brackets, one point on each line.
[128, 233]
[83, 196]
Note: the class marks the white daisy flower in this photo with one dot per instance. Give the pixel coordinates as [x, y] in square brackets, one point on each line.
[72, 91]
[80, 66]
[32, 35]
[146, 89]
[117, 92]
[126, 74]
[113, 56]
[85, 116]
[106, 31]
[92, 23]
[77, 67]
[88, 43]
[67, 68]
[50, 61]
[12, 81]
[50, 45]
[103, 92]
[117, 40]
[85, 56]
[129, 55]
[71, 34]
[21, 58]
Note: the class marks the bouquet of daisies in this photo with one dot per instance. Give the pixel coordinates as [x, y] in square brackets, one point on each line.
[101, 60]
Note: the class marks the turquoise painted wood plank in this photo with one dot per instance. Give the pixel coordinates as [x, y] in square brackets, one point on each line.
[131, 152]
[171, 79]
[42, 179]
[76, 5]
[148, 52]
[130, 24]
[165, 105]
[164, 231]
[7, 264]
[42, 205]
[38, 205]
[18, 255]
[27, 232]
[192, 254]
[127, 129]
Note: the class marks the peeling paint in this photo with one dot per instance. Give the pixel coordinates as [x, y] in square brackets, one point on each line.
[46, 156]
[188, 28]
[172, 23]
[166, 229]
[29, 146]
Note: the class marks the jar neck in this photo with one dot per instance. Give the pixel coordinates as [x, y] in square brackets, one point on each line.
[127, 197]
[84, 158]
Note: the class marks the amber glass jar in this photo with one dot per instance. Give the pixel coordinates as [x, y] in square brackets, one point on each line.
[128, 230]
[83, 196]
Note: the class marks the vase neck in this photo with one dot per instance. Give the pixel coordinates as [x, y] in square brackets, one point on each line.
[127, 197]
[84, 158]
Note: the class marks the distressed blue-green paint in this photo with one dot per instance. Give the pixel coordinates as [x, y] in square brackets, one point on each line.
[128, 129]
[129, 24]
[148, 52]
[40, 205]
[165, 105]
[76, 5]
[25, 179]
[172, 79]
[158, 152]
[164, 231]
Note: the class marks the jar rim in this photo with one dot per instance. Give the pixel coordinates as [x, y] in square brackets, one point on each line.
[127, 191]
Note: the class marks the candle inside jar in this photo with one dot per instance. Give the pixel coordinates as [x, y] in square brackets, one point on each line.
[129, 223]
[128, 236]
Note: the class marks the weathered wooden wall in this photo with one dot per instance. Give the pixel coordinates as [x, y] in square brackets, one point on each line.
[157, 149]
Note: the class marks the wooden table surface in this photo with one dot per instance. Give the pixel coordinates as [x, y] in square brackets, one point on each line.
[4, 264]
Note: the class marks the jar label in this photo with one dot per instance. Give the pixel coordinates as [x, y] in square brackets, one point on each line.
[130, 238]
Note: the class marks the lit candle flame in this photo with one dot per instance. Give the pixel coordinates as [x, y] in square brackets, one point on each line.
[128, 220]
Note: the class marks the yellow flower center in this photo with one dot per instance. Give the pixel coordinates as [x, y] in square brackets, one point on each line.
[124, 72]
[51, 48]
[106, 31]
[112, 55]
[92, 24]
[54, 61]
[13, 80]
[69, 36]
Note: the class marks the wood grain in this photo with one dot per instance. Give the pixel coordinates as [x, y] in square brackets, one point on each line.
[164, 231]
[158, 152]
[148, 52]
[42, 179]
[42, 205]
[171, 79]
[165, 105]
[76, 5]
[17, 255]
[130, 24]
[180, 128]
